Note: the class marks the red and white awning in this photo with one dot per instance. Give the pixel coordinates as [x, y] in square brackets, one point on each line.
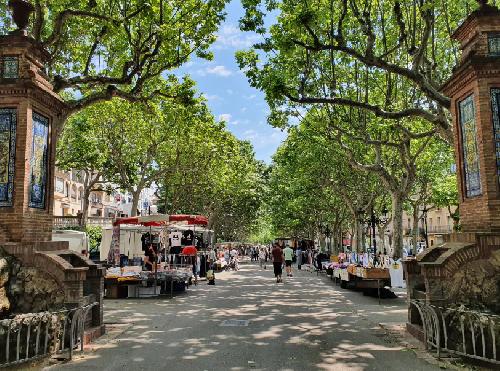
[159, 220]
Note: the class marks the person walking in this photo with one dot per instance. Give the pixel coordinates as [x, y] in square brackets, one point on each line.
[278, 258]
[299, 257]
[262, 258]
[234, 258]
[288, 253]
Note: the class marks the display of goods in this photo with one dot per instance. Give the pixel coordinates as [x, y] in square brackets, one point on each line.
[374, 273]
[344, 276]
[351, 269]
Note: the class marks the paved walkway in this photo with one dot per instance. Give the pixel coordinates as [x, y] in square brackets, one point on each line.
[307, 323]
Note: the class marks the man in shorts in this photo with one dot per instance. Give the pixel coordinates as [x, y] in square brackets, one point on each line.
[277, 255]
[288, 253]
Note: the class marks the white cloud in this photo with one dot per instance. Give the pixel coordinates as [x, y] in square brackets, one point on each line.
[225, 117]
[219, 70]
[230, 36]
[212, 97]
[264, 140]
[229, 91]
[244, 109]
[250, 135]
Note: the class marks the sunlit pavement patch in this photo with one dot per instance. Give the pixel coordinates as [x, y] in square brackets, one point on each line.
[235, 322]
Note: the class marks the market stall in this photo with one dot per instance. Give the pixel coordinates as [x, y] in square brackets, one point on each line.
[360, 271]
[128, 276]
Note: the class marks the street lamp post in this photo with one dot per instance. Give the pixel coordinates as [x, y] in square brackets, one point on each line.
[328, 234]
[424, 216]
[372, 222]
[324, 229]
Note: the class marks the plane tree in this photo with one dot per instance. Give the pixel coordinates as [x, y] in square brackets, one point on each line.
[101, 49]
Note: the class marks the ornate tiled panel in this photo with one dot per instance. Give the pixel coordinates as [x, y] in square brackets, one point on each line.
[495, 106]
[470, 149]
[10, 67]
[8, 121]
[494, 44]
[39, 162]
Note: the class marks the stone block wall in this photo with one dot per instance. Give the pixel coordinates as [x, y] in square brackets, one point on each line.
[465, 270]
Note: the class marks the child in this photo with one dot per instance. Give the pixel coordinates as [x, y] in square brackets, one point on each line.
[211, 277]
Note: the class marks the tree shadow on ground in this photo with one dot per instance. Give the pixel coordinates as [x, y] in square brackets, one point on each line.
[307, 323]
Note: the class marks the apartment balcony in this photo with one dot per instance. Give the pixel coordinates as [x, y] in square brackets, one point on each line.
[439, 229]
[96, 203]
[76, 221]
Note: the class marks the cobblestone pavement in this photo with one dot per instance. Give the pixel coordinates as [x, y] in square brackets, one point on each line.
[247, 321]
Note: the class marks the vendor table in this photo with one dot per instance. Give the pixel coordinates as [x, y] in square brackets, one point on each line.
[365, 278]
[145, 283]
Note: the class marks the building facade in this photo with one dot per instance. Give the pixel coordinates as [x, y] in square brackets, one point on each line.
[69, 191]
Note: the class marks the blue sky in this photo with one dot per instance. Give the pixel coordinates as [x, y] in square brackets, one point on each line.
[226, 88]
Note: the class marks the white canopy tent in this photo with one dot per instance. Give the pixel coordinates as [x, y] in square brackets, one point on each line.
[130, 237]
[78, 241]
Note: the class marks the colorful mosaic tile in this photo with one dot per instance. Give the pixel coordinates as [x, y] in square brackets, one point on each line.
[494, 44]
[8, 121]
[495, 106]
[39, 162]
[470, 150]
[10, 67]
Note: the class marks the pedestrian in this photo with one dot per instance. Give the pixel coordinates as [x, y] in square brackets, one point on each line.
[299, 257]
[288, 253]
[212, 257]
[234, 258]
[262, 258]
[226, 255]
[278, 258]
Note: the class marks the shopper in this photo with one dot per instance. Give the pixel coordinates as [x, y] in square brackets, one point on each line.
[150, 258]
[278, 258]
[262, 258]
[234, 258]
[288, 253]
[299, 257]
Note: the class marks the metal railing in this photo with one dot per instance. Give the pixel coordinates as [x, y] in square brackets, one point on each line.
[460, 331]
[28, 337]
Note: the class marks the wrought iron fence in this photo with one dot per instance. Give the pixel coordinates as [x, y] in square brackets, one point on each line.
[460, 331]
[28, 337]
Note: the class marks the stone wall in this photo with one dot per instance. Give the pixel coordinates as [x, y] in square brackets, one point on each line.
[26, 289]
[477, 284]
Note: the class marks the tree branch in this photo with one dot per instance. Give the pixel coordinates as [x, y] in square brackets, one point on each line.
[67, 14]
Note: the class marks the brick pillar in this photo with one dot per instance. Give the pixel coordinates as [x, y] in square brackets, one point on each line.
[474, 90]
[95, 285]
[30, 115]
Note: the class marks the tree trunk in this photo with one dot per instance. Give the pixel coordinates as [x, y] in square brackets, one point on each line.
[135, 201]
[381, 240]
[360, 237]
[85, 206]
[397, 225]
